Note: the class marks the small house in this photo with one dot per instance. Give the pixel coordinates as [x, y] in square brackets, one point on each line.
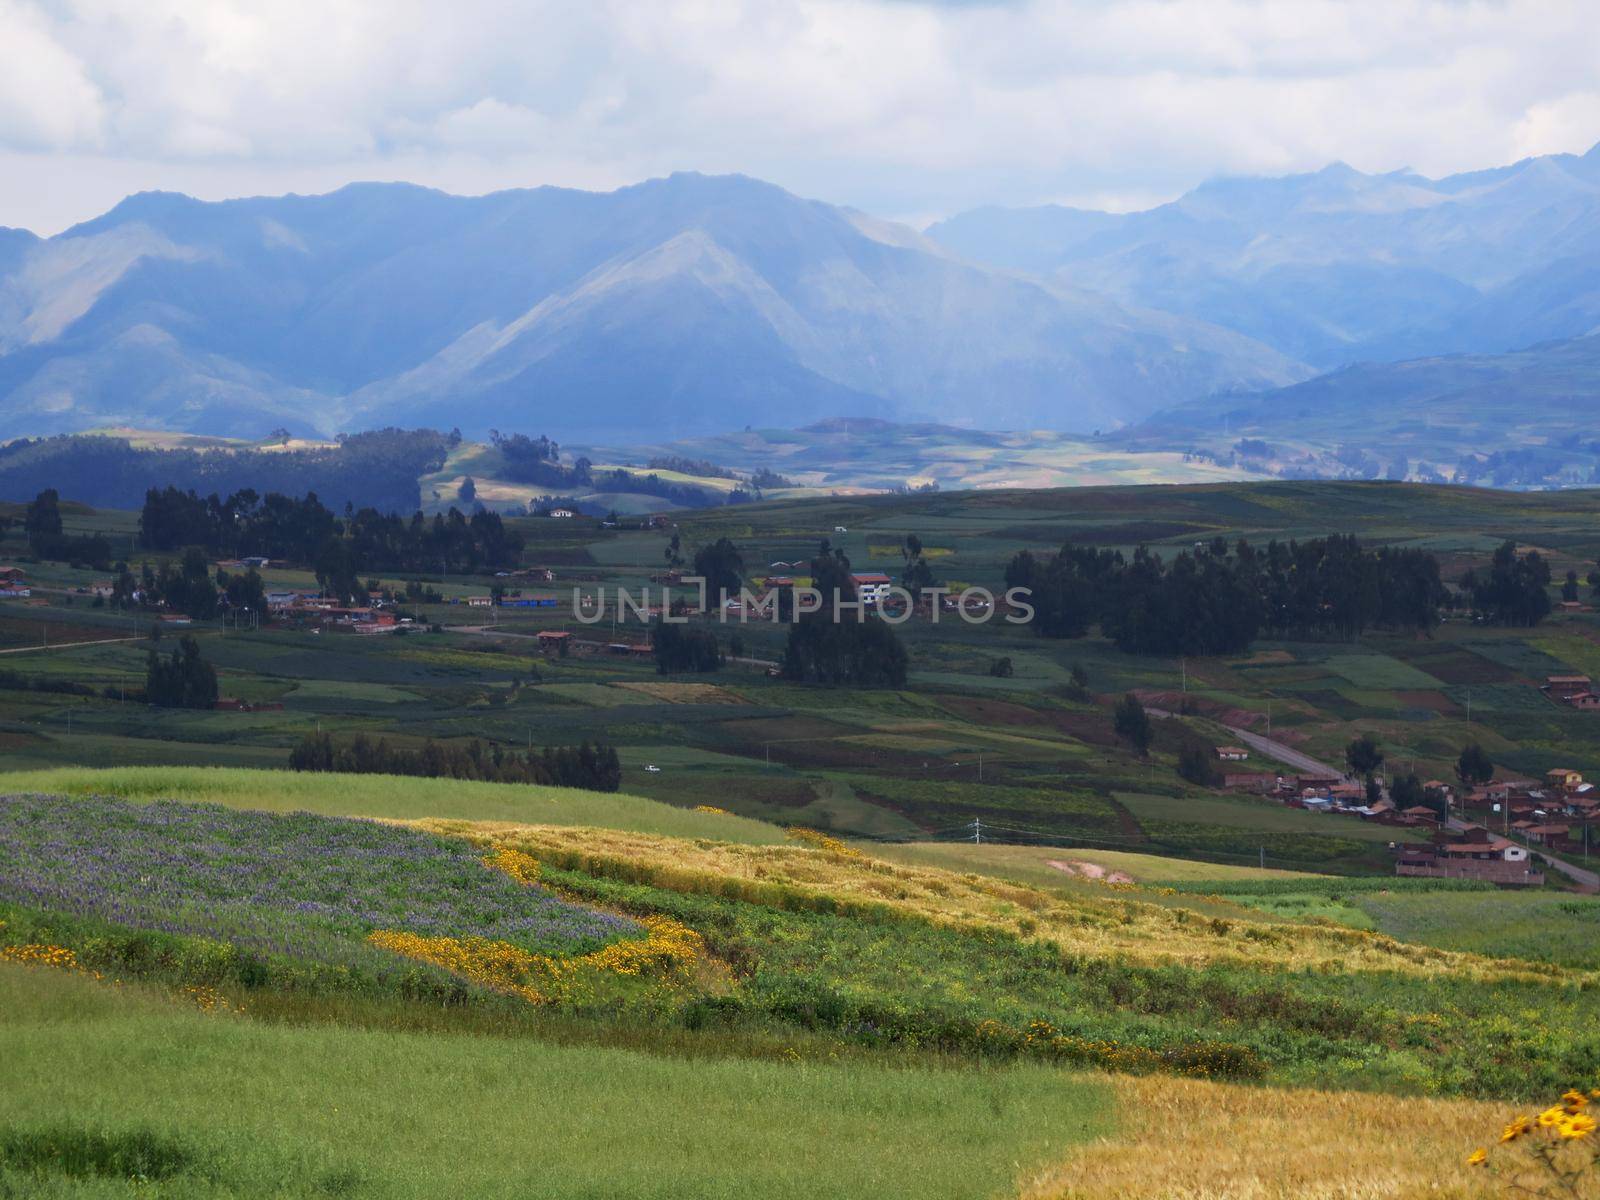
[871, 587]
[1232, 753]
[1546, 835]
[562, 513]
[480, 601]
[1563, 778]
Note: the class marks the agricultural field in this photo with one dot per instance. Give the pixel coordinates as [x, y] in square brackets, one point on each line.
[1030, 750]
[818, 933]
[765, 998]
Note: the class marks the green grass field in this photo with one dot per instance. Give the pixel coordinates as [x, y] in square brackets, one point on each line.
[236, 1108]
[392, 797]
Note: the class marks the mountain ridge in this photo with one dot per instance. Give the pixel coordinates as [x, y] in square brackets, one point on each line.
[682, 304]
[1335, 266]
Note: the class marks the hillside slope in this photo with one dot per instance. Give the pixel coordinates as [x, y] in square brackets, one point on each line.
[1451, 411]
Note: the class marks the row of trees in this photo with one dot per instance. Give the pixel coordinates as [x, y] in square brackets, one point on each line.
[1218, 598]
[591, 765]
[340, 550]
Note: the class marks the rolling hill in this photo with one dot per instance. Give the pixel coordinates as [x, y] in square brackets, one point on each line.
[683, 305]
[1523, 418]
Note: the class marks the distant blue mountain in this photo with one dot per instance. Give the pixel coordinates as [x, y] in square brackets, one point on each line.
[1337, 266]
[684, 305]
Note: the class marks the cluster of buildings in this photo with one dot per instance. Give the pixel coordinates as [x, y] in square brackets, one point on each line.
[1574, 691]
[1472, 853]
[308, 607]
[1553, 814]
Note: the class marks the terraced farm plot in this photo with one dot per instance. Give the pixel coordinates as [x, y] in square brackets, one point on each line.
[1379, 672]
[672, 692]
[1454, 664]
[1263, 816]
[1528, 661]
[339, 692]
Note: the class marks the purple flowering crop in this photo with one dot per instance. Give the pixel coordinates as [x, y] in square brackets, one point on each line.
[298, 884]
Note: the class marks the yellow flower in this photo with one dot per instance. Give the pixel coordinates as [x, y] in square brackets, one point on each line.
[1478, 1157]
[1551, 1117]
[1577, 1126]
[1574, 1101]
[1516, 1129]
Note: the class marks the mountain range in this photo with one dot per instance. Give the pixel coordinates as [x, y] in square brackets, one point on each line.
[1337, 266]
[684, 305]
[693, 305]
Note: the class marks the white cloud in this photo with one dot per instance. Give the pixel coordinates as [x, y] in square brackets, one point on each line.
[46, 96]
[890, 106]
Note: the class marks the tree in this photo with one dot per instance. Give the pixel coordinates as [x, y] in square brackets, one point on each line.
[244, 593]
[860, 653]
[1406, 792]
[1001, 668]
[722, 567]
[43, 521]
[1197, 762]
[1473, 768]
[680, 648]
[1569, 589]
[1513, 591]
[183, 680]
[1132, 724]
[336, 571]
[1363, 756]
[468, 491]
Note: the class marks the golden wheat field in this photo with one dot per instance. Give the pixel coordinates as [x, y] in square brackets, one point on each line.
[1184, 1139]
[1111, 920]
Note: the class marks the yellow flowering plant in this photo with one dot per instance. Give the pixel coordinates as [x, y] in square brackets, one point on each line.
[1554, 1153]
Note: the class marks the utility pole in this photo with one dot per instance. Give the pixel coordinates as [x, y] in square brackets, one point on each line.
[980, 766]
[977, 830]
[1469, 706]
[1263, 856]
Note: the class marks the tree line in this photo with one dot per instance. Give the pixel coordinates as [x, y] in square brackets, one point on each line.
[1217, 598]
[591, 765]
[338, 549]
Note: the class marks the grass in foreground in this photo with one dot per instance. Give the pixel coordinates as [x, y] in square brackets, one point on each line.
[248, 1109]
[391, 796]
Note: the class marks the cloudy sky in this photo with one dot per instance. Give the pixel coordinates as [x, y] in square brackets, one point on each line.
[906, 109]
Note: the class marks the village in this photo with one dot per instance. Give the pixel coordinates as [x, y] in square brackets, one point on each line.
[1552, 815]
